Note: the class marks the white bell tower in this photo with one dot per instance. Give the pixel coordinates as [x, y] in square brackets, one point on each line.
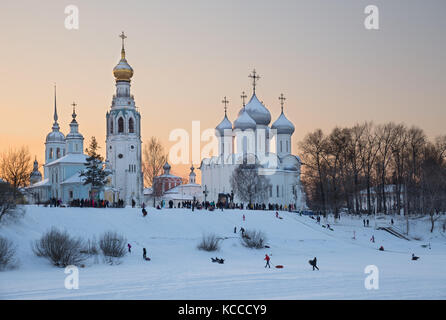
[124, 138]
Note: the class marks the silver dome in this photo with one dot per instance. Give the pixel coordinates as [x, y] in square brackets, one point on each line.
[258, 111]
[283, 125]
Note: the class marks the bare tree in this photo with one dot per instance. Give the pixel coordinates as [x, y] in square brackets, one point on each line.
[249, 185]
[16, 167]
[153, 160]
[313, 149]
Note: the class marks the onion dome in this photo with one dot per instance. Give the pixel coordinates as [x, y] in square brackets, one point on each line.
[244, 121]
[123, 71]
[225, 124]
[74, 127]
[258, 111]
[283, 125]
[35, 175]
[166, 168]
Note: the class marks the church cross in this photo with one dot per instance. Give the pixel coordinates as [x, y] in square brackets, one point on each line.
[122, 36]
[243, 96]
[254, 76]
[74, 109]
[282, 100]
[225, 102]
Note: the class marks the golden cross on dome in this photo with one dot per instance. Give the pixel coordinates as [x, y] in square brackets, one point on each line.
[122, 36]
[254, 76]
[225, 102]
[243, 96]
[282, 99]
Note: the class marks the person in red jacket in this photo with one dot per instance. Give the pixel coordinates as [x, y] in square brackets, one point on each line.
[267, 258]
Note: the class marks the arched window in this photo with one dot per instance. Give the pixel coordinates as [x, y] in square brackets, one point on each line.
[111, 126]
[120, 125]
[280, 145]
[51, 153]
[131, 126]
[287, 146]
[58, 153]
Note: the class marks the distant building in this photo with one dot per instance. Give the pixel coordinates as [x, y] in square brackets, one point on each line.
[168, 187]
[391, 196]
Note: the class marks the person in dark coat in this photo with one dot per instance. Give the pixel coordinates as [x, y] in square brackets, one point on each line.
[363, 221]
[235, 229]
[367, 222]
[267, 258]
[414, 257]
[144, 253]
[313, 263]
[130, 247]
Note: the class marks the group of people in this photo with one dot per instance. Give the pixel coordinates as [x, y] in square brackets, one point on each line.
[144, 252]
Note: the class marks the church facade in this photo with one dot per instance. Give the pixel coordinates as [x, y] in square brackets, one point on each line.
[250, 137]
[65, 158]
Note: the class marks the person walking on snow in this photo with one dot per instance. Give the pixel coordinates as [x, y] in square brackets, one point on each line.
[235, 229]
[243, 217]
[277, 214]
[372, 239]
[313, 263]
[267, 258]
[130, 247]
[144, 253]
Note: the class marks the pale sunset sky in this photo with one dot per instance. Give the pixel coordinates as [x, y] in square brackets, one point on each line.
[188, 55]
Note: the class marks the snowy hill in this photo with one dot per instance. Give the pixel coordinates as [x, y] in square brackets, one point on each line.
[179, 271]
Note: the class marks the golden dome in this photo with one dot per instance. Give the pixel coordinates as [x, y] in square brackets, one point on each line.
[123, 71]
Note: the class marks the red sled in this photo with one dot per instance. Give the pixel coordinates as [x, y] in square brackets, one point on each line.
[279, 266]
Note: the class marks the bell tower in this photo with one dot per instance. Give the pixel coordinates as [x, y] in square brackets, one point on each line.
[123, 140]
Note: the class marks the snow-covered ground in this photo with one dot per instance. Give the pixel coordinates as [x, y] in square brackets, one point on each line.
[179, 271]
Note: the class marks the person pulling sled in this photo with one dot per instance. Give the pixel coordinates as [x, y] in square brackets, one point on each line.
[144, 254]
[313, 263]
[267, 258]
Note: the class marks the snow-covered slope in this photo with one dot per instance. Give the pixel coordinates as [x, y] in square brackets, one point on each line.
[179, 271]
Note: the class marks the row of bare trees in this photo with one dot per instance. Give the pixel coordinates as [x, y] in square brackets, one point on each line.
[350, 165]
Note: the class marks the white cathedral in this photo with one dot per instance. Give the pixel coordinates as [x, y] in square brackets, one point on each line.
[250, 137]
[65, 158]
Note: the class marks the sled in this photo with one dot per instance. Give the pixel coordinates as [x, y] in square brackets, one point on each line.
[280, 218]
[279, 266]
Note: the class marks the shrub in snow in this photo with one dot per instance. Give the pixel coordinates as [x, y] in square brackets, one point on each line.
[60, 249]
[7, 254]
[91, 247]
[113, 245]
[209, 243]
[253, 239]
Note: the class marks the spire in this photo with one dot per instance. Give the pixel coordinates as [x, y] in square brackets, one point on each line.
[254, 76]
[55, 124]
[282, 99]
[122, 36]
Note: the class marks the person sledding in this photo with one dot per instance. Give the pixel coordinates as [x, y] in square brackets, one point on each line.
[381, 248]
[144, 212]
[414, 257]
[218, 260]
[144, 254]
[313, 263]
[267, 258]
[277, 214]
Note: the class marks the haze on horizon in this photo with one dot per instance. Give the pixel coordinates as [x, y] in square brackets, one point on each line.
[188, 55]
